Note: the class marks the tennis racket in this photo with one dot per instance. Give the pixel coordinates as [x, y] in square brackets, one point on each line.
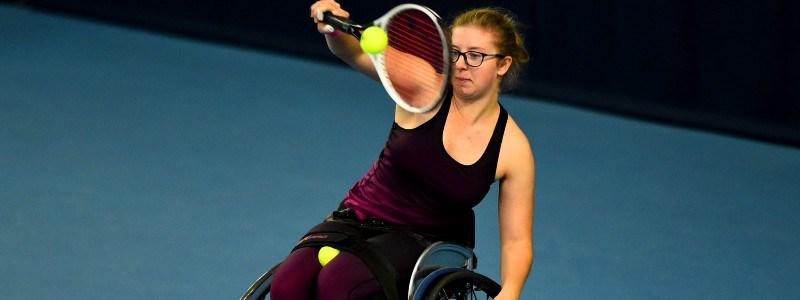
[415, 66]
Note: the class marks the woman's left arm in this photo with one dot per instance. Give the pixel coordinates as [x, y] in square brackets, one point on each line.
[515, 212]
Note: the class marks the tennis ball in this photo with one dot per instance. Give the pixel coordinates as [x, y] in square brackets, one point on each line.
[374, 40]
[326, 254]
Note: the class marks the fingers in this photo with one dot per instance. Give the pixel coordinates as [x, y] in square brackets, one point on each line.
[318, 9]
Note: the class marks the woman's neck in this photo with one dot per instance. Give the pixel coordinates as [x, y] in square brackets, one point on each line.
[475, 110]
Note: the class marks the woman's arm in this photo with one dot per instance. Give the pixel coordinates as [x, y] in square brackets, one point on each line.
[515, 212]
[344, 46]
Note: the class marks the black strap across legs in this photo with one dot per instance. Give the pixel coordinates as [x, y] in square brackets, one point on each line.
[383, 270]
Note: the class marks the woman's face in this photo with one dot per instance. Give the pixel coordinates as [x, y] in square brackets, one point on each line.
[475, 82]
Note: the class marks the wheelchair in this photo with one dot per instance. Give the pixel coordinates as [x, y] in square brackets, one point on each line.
[444, 270]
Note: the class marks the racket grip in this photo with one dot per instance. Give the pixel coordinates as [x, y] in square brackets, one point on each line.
[343, 24]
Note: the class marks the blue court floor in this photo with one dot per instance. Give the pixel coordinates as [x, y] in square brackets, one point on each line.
[135, 165]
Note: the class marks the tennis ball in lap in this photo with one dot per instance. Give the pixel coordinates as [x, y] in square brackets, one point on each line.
[374, 40]
[326, 254]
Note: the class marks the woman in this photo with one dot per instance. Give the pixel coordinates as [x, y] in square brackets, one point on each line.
[467, 142]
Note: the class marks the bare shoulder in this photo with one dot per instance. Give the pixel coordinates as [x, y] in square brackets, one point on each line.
[515, 141]
[516, 155]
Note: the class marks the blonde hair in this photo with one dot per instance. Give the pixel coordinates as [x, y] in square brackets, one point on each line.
[510, 41]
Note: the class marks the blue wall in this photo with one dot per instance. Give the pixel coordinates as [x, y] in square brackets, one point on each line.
[730, 66]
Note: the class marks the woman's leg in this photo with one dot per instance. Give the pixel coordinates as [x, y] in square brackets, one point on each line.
[296, 277]
[348, 277]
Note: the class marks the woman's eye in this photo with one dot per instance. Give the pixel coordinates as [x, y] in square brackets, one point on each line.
[474, 55]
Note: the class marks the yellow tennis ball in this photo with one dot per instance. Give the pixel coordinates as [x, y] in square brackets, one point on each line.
[374, 40]
[326, 254]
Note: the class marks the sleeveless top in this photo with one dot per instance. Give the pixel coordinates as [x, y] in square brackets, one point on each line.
[416, 184]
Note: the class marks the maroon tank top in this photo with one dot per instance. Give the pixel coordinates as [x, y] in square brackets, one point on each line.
[416, 184]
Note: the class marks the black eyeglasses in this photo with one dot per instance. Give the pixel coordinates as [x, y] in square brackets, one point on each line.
[473, 58]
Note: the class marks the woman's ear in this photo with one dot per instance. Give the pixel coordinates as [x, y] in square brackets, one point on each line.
[504, 65]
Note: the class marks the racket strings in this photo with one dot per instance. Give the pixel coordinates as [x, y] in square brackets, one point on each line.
[415, 33]
[418, 68]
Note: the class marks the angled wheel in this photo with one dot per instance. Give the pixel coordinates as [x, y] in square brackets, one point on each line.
[464, 285]
[260, 289]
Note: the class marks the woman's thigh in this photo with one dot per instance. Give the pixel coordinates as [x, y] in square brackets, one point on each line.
[297, 276]
[348, 277]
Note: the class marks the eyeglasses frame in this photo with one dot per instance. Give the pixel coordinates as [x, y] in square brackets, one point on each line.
[466, 60]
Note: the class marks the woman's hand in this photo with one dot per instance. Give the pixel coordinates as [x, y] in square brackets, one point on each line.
[320, 7]
[344, 46]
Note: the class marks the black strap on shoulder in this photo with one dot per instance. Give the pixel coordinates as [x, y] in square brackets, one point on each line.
[381, 267]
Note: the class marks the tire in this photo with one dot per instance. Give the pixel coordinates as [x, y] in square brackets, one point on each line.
[260, 289]
[462, 285]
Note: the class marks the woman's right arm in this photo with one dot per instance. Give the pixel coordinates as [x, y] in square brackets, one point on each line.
[344, 46]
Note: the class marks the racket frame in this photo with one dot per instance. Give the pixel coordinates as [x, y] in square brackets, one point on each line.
[378, 59]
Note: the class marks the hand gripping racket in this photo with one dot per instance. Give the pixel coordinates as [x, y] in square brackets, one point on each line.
[415, 66]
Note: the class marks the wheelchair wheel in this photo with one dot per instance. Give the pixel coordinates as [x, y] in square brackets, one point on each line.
[463, 285]
[260, 289]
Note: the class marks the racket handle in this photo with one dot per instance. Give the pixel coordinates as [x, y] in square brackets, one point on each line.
[343, 24]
